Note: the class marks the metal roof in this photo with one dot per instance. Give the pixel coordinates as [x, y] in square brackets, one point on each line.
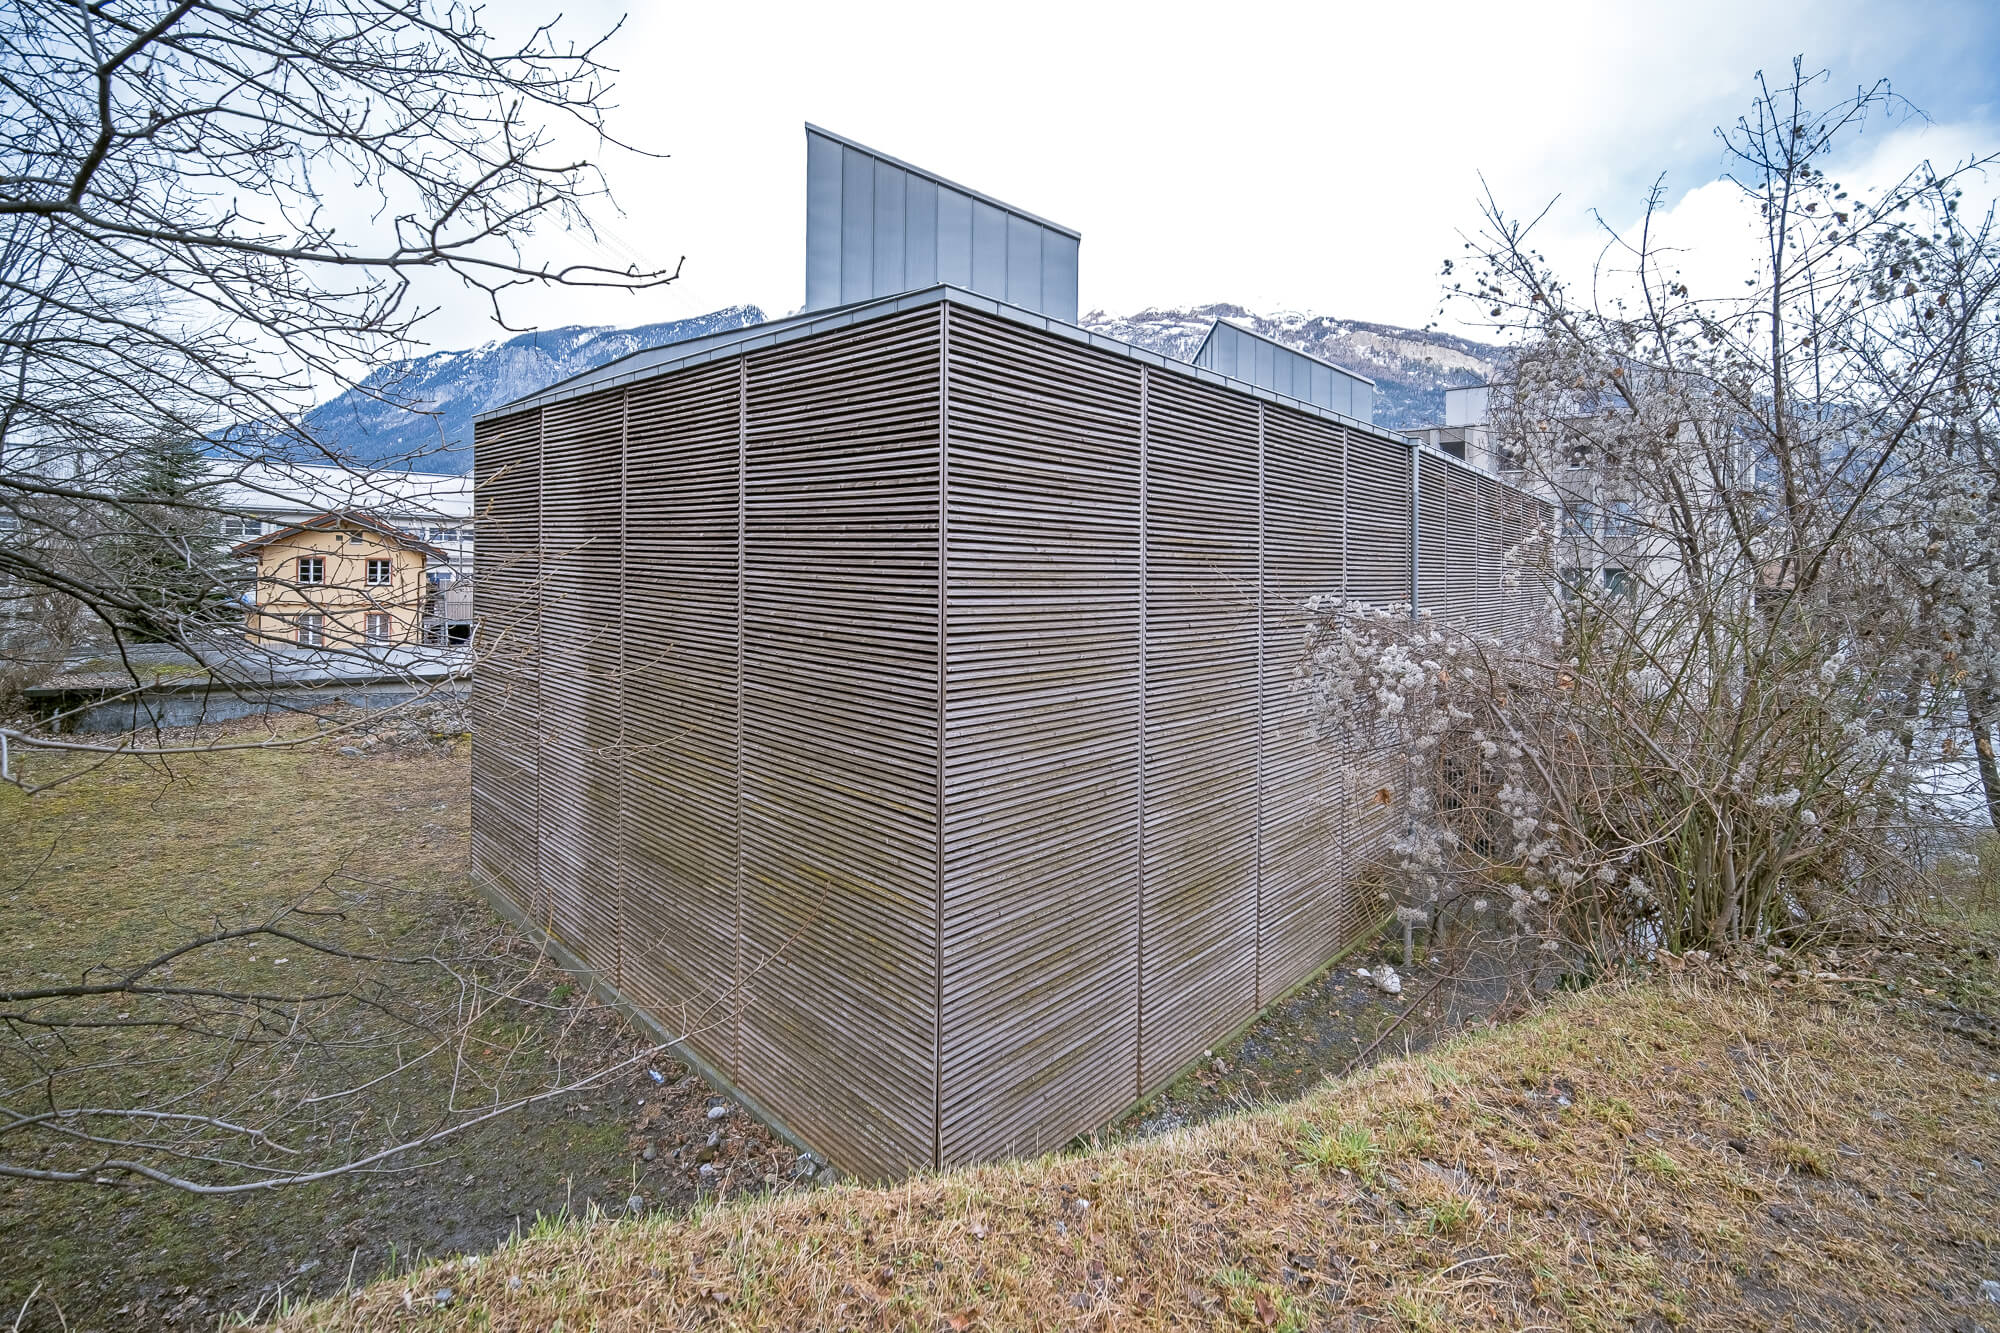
[677, 356]
[313, 488]
[665, 360]
[877, 226]
[1245, 354]
[333, 522]
[949, 185]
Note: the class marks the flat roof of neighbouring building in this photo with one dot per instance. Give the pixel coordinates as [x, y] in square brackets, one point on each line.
[318, 487]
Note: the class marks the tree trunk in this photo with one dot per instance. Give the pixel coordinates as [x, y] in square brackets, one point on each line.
[1982, 747]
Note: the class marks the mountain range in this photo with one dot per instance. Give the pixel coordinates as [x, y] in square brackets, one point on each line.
[371, 425]
[1411, 368]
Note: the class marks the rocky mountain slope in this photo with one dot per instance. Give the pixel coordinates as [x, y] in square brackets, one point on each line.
[1411, 370]
[371, 425]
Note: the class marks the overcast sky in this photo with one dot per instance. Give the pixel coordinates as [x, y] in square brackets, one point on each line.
[1321, 157]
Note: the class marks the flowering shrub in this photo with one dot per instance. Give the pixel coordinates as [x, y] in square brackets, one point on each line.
[1754, 685]
[1620, 782]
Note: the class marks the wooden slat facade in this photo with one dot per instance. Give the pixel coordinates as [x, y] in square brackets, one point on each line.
[908, 713]
[1198, 918]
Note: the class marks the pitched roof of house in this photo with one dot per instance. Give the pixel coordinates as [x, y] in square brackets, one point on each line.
[333, 521]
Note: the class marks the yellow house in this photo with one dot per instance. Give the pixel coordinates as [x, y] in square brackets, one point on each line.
[338, 579]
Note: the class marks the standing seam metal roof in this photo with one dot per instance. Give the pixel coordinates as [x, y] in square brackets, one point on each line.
[655, 361]
[1249, 332]
[932, 176]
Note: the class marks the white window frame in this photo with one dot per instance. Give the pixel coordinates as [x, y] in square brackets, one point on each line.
[312, 630]
[388, 572]
[378, 627]
[312, 570]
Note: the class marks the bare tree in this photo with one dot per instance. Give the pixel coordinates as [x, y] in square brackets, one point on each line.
[214, 214]
[368, 1061]
[1775, 559]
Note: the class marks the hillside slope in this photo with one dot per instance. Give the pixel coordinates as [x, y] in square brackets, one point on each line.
[1411, 367]
[1685, 1149]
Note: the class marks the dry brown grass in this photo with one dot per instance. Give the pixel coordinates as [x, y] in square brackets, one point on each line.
[1673, 1151]
[132, 859]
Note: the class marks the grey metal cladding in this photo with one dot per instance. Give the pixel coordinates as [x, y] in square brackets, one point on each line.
[823, 224]
[857, 226]
[1024, 263]
[1059, 276]
[989, 250]
[891, 186]
[878, 227]
[920, 230]
[954, 237]
[1237, 352]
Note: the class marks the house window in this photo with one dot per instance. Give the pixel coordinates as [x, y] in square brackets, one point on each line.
[312, 569]
[379, 626]
[1621, 519]
[1573, 580]
[312, 630]
[357, 538]
[1578, 520]
[378, 573]
[1617, 582]
[241, 527]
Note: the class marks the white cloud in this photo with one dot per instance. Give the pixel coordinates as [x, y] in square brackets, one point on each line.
[1309, 157]
[1710, 234]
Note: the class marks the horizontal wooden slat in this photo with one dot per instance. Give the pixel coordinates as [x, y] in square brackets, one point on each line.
[840, 740]
[908, 713]
[1307, 911]
[1041, 739]
[1199, 876]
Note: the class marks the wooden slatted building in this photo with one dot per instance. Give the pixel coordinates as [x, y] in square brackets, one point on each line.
[901, 703]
